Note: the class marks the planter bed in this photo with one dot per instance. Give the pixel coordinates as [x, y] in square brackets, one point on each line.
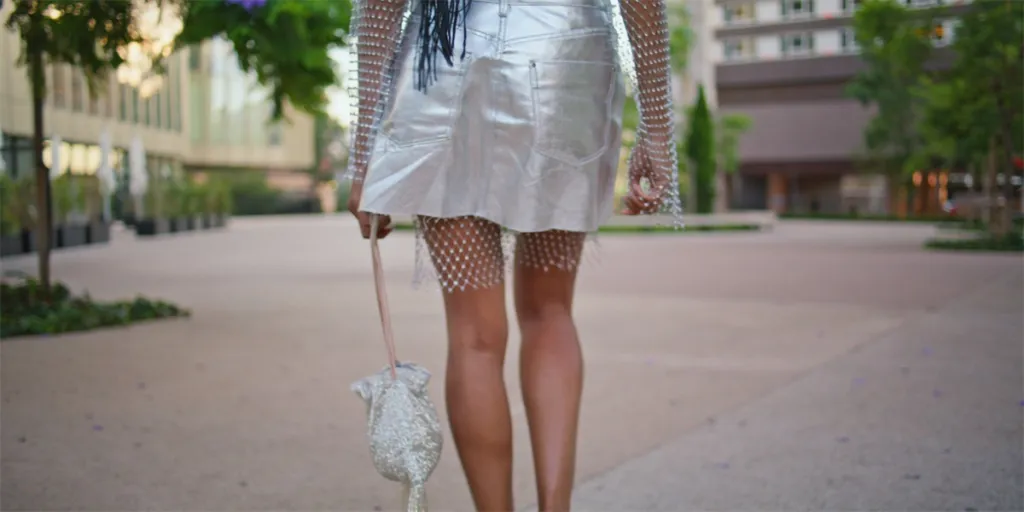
[152, 227]
[63, 236]
[12, 244]
[99, 232]
[30, 239]
[180, 224]
[72, 235]
[216, 220]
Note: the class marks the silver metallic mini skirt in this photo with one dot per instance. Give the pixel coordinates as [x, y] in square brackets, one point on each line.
[523, 132]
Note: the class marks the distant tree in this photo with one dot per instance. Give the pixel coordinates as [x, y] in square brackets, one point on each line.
[895, 44]
[700, 148]
[86, 35]
[972, 115]
[730, 128]
[286, 43]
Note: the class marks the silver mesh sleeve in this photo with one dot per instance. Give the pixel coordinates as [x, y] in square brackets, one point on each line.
[645, 23]
[374, 37]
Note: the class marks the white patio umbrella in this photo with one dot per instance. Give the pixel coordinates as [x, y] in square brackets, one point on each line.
[139, 178]
[105, 174]
[55, 143]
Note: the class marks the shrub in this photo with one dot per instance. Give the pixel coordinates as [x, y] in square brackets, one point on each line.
[25, 312]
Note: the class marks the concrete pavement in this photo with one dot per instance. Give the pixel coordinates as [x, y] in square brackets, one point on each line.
[816, 367]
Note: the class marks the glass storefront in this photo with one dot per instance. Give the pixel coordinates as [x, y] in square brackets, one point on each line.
[79, 159]
[227, 105]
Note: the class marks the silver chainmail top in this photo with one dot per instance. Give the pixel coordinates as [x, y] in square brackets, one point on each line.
[468, 252]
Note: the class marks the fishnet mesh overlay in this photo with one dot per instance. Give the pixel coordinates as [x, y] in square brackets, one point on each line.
[645, 60]
[471, 253]
[375, 34]
[641, 38]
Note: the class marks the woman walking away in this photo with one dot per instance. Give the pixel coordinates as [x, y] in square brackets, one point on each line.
[496, 125]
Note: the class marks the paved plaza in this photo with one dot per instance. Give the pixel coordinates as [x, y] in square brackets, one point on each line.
[819, 366]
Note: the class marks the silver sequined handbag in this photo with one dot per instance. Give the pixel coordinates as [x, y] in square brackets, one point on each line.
[403, 426]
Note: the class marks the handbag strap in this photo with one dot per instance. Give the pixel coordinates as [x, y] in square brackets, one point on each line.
[382, 296]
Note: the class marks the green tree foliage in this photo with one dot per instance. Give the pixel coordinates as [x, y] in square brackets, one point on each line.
[895, 45]
[730, 129]
[972, 115]
[86, 35]
[981, 98]
[700, 148]
[680, 43]
[287, 43]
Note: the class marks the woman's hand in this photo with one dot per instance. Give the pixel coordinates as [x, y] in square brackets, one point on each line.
[384, 226]
[642, 167]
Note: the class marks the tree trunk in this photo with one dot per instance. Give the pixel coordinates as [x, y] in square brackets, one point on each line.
[1006, 136]
[44, 224]
[990, 188]
[1006, 213]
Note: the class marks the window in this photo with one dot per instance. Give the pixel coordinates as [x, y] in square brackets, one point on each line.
[941, 34]
[797, 8]
[59, 86]
[76, 90]
[108, 98]
[197, 109]
[165, 105]
[799, 43]
[195, 58]
[923, 3]
[848, 41]
[122, 113]
[94, 104]
[158, 108]
[850, 5]
[737, 49]
[136, 105]
[738, 13]
[176, 105]
[274, 135]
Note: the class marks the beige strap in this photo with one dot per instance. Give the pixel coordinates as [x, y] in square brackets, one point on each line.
[382, 296]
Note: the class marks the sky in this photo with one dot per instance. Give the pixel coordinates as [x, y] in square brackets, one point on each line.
[339, 105]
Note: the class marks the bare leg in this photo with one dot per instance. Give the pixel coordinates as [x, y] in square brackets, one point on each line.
[469, 250]
[551, 362]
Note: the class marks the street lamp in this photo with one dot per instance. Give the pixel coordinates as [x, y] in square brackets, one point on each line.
[158, 23]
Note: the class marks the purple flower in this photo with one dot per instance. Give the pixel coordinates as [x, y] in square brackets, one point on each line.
[249, 5]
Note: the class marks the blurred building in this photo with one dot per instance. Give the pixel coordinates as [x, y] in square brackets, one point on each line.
[785, 64]
[207, 116]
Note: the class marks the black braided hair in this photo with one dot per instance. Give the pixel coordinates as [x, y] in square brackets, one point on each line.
[437, 33]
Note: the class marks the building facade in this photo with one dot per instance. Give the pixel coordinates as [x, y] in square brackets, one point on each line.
[785, 64]
[207, 116]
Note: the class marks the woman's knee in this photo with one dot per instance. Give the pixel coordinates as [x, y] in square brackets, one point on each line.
[477, 323]
[543, 295]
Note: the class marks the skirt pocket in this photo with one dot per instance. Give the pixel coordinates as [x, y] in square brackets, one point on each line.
[416, 118]
[572, 102]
